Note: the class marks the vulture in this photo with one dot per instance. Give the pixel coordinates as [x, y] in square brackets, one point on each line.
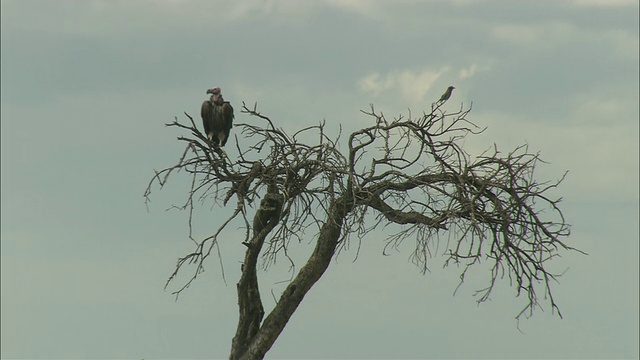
[217, 117]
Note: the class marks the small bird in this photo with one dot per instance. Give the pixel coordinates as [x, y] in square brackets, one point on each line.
[447, 94]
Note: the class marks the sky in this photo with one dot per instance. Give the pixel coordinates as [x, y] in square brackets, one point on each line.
[87, 86]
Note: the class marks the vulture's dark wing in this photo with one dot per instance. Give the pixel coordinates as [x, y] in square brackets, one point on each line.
[227, 118]
[206, 111]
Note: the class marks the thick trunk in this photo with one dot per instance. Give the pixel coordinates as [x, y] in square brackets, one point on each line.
[294, 293]
[249, 302]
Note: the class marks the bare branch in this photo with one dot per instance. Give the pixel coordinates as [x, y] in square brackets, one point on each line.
[410, 172]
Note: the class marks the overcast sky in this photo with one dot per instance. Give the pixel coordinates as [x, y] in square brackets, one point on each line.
[87, 87]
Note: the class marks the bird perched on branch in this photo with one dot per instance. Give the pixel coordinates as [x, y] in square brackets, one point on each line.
[447, 94]
[217, 117]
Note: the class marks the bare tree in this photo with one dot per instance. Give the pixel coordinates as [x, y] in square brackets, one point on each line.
[407, 171]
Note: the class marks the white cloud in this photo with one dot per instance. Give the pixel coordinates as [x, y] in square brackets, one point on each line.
[412, 85]
[606, 3]
[472, 70]
[517, 33]
[369, 9]
[528, 34]
[373, 9]
[597, 143]
[624, 44]
[118, 17]
[289, 10]
[598, 111]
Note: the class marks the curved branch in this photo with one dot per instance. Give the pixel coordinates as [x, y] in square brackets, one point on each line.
[411, 171]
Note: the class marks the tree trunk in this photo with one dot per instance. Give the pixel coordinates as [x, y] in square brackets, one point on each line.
[290, 299]
[249, 302]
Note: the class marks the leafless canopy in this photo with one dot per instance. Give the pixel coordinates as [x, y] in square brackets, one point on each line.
[409, 171]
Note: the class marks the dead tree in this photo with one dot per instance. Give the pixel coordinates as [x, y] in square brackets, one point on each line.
[410, 171]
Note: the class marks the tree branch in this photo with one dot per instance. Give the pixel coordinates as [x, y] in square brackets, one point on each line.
[412, 171]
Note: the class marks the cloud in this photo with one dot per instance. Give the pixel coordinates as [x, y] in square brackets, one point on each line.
[525, 35]
[413, 85]
[624, 44]
[597, 142]
[287, 10]
[98, 18]
[373, 9]
[472, 70]
[368, 9]
[606, 3]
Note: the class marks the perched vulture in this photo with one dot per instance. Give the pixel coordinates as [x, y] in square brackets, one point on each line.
[217, 117]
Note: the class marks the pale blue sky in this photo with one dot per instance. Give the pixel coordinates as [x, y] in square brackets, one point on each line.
[87, 87]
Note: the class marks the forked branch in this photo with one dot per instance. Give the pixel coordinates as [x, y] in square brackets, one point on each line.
[408, 171]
